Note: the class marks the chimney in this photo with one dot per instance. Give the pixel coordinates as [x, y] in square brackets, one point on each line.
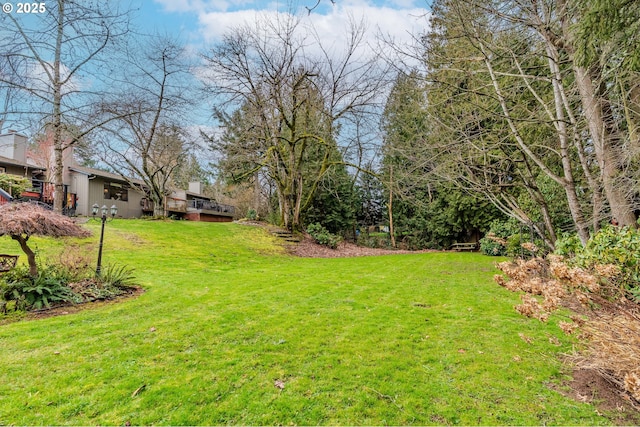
[195, 187]
[14, 146]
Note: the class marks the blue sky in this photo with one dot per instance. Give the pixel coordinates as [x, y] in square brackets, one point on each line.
[201, 22]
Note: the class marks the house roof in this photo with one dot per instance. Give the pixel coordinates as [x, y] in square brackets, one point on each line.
[104, 174]
[198, 195]
[14, 162]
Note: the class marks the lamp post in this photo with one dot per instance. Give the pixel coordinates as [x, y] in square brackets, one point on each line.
[94, 212]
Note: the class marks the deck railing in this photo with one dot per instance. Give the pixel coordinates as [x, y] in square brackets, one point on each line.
[42, 192]
[207, 205]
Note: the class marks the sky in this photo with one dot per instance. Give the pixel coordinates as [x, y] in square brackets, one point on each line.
[203, 22]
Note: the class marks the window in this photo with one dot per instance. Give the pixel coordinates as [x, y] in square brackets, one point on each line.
[115, 191]
[2, 169]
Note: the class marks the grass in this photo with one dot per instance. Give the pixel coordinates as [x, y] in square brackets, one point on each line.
[231, 330]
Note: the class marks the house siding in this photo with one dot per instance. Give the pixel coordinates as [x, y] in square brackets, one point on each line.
[129, 209]
[14, 170]
[80, 186]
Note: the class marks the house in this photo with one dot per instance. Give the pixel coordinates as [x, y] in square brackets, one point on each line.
[13, 156]
[91, 186]
[14, 161]
[192, 205]
[84, 187]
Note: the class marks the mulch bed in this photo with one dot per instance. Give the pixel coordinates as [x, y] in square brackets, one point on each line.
[62, 309]
[307, 248]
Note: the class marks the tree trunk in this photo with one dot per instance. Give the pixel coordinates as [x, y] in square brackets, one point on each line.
[392, 234]
[608, 160]
[57, 114]
[257, 189]
[297, 225]
[31, 256]
[566, 180]
[159, 205]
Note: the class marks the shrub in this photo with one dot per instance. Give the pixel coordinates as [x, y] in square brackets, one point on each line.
[568, 245]
[495, 243]
[610, 325]
[322, 236]
[35, 293]
[252, 215]
[13, 184]
[617, 246]
[510, 238]
[120, 277]
[378, 240]
[73, 283]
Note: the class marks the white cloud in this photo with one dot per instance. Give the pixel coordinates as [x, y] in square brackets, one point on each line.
[397, 19]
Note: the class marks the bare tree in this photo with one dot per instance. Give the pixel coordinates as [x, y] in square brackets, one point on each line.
[296, 104]
[47, 59]
[143, 135]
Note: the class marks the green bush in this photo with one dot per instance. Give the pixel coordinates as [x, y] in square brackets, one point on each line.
[35, 293]
[495, 242]
[619, 246]
[61, 284]
[374, 240]
[322, 236]
[493, 245]
[508, 238]
[568, 245]
[252, 214]
[14, 185]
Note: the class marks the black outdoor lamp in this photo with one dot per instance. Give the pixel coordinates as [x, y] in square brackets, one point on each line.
[94, 211]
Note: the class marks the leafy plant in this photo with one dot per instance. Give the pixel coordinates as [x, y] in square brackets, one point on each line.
[503, 238]
[374, 240]
[568, 245]
[252, 214]
[71, 281]
[116, 276]
[34, 293]
[618, 246]
[322, 236]
[13, 184]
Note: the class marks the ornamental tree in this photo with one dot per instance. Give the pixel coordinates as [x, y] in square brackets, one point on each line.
[20, 221]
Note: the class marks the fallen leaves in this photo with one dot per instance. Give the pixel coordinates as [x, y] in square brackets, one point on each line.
[525, 338]
[139, 390]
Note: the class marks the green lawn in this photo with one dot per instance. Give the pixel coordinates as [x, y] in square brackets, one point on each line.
[227, 319]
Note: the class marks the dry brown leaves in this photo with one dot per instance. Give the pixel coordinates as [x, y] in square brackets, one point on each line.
[610, 323]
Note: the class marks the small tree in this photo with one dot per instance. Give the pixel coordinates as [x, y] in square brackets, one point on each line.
[22, 220]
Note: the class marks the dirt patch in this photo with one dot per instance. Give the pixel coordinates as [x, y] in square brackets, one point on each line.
[587, 385]
[307, 248]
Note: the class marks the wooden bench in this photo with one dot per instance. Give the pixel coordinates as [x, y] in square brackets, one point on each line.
[464, 246]
[7, 262]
